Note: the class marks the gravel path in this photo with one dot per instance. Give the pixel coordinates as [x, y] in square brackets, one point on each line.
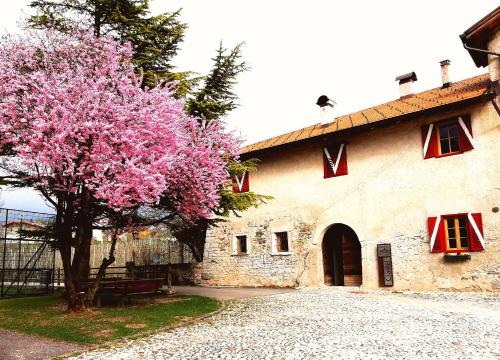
[333, 323]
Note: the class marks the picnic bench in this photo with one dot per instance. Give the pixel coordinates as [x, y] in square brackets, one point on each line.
[124, 288]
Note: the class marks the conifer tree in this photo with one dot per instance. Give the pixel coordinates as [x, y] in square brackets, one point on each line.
[155, 39]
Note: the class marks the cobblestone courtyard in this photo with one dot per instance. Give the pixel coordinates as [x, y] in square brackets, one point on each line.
[333, 323]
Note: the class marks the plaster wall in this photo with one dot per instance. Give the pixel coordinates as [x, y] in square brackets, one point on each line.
[387, 196]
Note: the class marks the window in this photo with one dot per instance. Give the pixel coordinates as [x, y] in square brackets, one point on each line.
[241, 183]
[447, 137]
[449, 141]
[456, 233]
[334, 161]
[241, 245]
[281, 243]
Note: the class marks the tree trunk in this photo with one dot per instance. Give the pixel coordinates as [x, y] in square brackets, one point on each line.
[64, 240]
[81, 260]
[92, 291]
[72, 293]
[97, 22]
[194, 237]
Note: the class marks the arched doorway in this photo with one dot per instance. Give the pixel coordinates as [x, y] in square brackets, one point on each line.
[341, 256]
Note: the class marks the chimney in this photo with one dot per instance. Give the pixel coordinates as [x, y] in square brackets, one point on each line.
[405, 84]
[326, 106]
[445, 73]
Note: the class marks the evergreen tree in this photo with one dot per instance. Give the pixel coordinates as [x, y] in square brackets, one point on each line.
[216, 98]
[156, 39]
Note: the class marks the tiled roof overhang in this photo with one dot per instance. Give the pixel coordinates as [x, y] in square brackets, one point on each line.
[460, 94]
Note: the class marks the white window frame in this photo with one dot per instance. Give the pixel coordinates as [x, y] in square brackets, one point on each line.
[234, 245]
[274, 245]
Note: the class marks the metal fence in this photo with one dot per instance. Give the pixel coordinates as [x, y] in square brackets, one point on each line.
[27, 263]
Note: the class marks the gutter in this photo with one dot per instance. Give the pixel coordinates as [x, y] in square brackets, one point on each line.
[494, 86]
[467, 47]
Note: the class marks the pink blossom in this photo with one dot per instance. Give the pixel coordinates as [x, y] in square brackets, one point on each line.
[71, 107]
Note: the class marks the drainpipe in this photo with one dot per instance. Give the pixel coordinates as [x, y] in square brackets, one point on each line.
[495, 105]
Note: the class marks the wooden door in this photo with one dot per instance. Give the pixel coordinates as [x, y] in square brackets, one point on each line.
[351, 256]
[328, 268]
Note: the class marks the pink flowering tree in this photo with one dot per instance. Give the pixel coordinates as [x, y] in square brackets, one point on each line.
[76, 126]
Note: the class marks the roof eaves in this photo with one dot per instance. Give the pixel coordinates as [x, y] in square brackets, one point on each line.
[425, 102]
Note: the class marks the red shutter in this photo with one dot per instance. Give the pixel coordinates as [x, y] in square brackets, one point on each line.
[475, 243]
[245, 186]
[234, 185]
[246, 183]
[440, 242]
[432, 148]
[327, 169]
[465, 144]
[342, 169]
[342, 166]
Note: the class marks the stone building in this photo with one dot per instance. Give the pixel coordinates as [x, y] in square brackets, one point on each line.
[419, 176]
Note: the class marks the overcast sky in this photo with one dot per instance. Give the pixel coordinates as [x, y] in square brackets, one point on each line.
[297, 50]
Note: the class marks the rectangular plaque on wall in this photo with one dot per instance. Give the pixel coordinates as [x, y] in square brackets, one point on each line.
[384, 250]
[384, 256]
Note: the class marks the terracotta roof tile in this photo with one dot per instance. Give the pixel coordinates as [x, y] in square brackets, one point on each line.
[315, 131]
[357, 119]
[461, 90]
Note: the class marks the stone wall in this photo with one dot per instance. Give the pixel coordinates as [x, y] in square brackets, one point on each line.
[260, 267]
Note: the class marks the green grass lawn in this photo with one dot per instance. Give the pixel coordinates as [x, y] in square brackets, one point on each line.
[46, 316]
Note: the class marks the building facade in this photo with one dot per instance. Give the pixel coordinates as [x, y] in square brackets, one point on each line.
[417, 178]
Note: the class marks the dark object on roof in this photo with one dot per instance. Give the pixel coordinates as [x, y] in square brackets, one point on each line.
[478, 36]
[407, 77]
[324, 100]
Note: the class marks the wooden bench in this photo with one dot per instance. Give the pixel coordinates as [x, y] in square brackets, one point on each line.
[125, 288]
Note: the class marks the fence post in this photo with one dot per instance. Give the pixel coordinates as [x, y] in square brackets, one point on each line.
[19, 256]
[53, 270]
[169, 280]
[4, 250]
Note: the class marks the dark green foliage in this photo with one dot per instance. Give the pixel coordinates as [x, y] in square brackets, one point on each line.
[215, 99]
[155, 39]
[103, 16]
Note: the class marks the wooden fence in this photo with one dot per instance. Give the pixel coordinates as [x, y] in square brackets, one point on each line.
[146, 251]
